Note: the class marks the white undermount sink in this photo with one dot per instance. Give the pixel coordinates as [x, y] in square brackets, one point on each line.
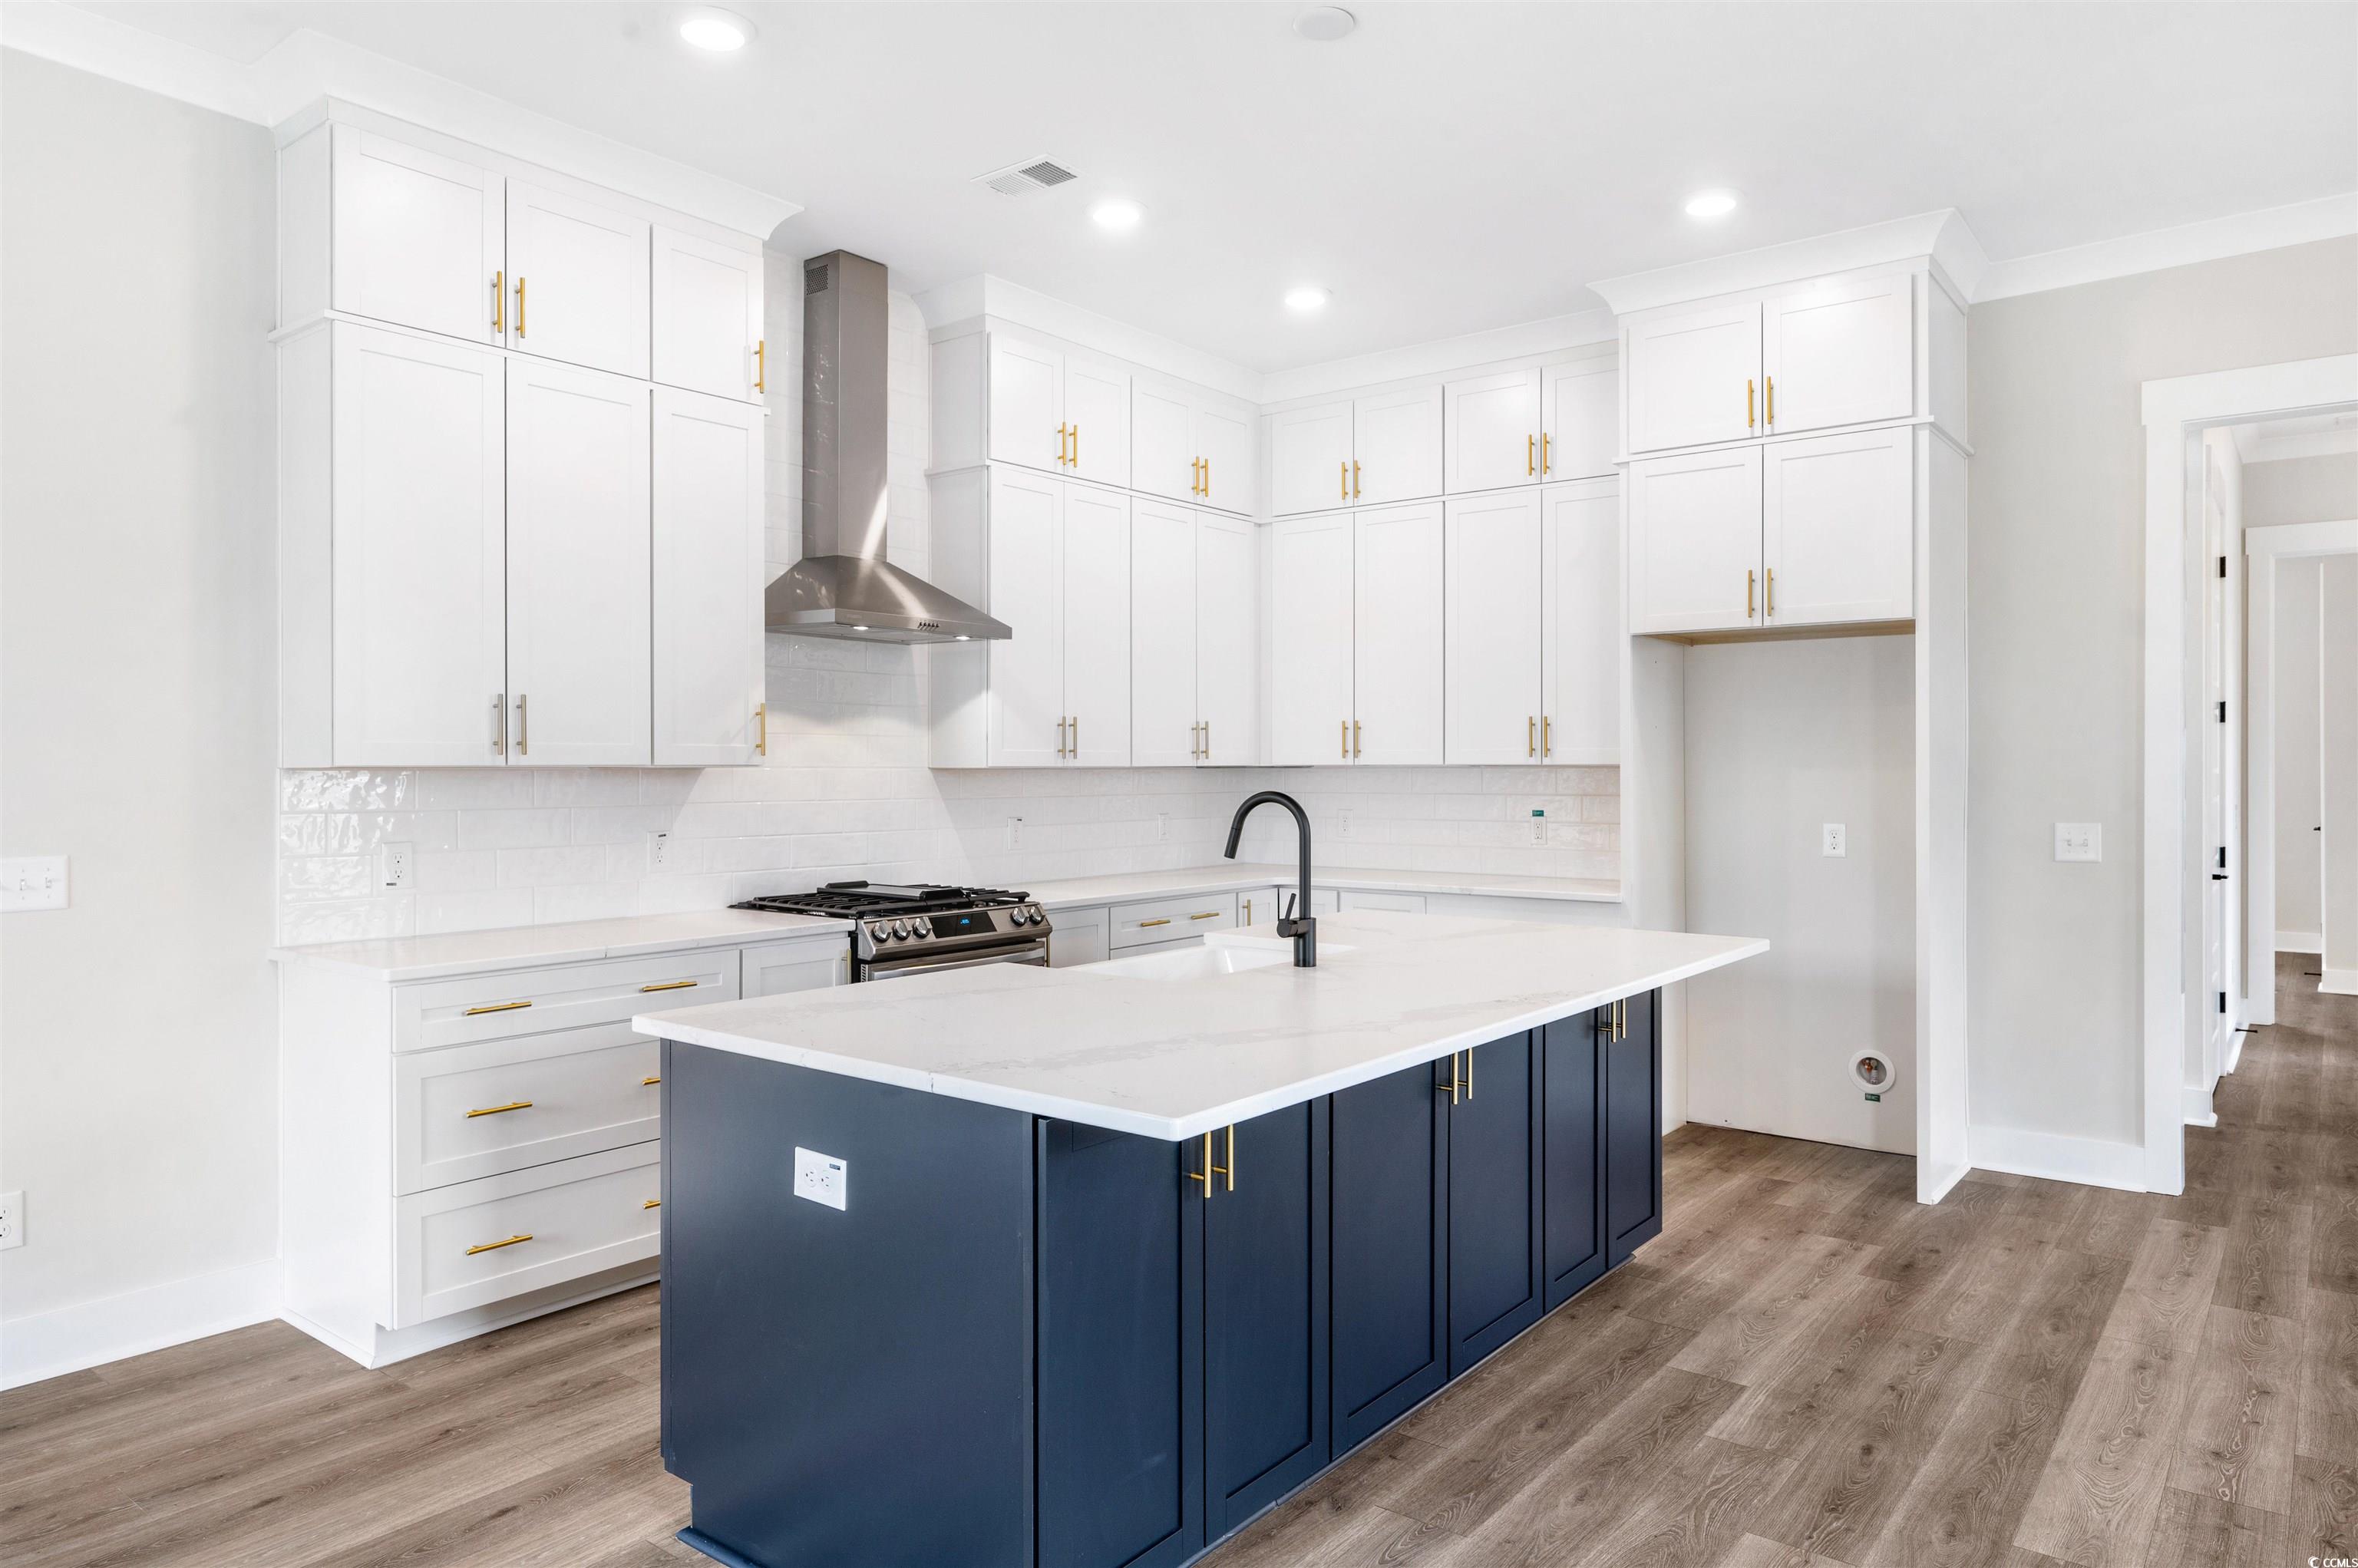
[1202, 963]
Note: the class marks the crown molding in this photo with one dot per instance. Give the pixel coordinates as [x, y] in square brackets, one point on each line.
[1943, 235]
[964, 299]
[2328, 217]
[1527, 340]
[308, 65]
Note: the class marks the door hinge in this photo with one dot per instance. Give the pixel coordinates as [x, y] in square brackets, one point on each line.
[2223, 566]
[2222, 856]
[2223, 710]
[2222, 1001]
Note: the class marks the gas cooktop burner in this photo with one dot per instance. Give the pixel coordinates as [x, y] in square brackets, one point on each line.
[857, 900]
[901, 928]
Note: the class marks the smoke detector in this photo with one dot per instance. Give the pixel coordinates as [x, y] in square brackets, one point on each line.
[1023, 178]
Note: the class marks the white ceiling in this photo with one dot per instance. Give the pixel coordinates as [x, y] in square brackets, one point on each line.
[1447, 168]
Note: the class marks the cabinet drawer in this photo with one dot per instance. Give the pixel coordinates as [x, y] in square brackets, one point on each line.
[1079, 937]
[531, 1001]
[479, 1242]
[807, 965]
[1166, 919]
[507, 1105]
[1398, 903]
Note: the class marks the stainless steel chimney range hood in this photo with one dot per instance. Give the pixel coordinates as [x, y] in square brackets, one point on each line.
[843, 587]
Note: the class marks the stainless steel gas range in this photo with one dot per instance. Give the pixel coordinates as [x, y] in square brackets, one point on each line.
[916, 928]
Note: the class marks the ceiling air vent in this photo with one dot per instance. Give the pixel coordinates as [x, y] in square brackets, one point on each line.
[1023, 179]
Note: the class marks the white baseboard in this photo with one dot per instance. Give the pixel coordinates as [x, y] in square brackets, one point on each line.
[2339, 982]
[67, 1339]
[2236, 1039]
[2299, 942]
[2199, 1111]
[1934, 1184]
[2093, 1161]
[387, 1345]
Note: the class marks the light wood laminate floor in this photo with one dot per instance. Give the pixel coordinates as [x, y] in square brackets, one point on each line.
[1807, 1369]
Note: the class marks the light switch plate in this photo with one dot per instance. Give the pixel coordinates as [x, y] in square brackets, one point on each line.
[819, 1177]
[2079, 840]
[36, 881]
[1835, 841]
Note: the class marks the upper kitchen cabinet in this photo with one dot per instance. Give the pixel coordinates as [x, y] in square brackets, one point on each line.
[1379, 449]
[1310, 458]
[1189, 445]
[577, 282]
[1097, 420]
[1837, 535]
[709, 709]
[1694, 542]
[1494, 430]
[1195, 637]
[707, 315]
[1581, 623]
[1228, 639]
[1532, 587]
[1840, 351]
[1310, 639]
[1694, 375]
[1580, 418]
[1047, 408]
[374, 227]
[1396, 658]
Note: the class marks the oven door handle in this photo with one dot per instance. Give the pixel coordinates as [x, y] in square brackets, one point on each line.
[1034, 953]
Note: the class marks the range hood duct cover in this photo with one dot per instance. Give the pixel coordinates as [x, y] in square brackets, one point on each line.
[843, 587]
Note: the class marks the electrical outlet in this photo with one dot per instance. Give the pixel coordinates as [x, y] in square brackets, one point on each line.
[12, 1220]
[1538, 825]
[36, 883]
[1015, 833]
[1834, 843]
[2078, 841]
[1342, 824]
[1162, 826]
[393, 864]
[658, 850]
[819, 1177]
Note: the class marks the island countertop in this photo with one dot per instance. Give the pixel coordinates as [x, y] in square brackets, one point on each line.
[1174, 1058]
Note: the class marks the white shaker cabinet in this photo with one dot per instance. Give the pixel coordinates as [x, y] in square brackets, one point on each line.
[1396, 446]
[1310, 640]
[709, 578]
[1185, 445]
[1694, 542]
[1097, 420]
[1166, 730]
[1096, 621]
[1493, 427]
[413, 237]
[578, 276]
[1228, 638]
[578, 571]
[1580, 704]
[1494, 601]
[1026, 697]
[1692, 377]
[1310, 458]
[1837, 532]
[1840, 351]
[1580, 414]
[1397, 661]
[708, 317]
[1224, 437]
[1027, 403]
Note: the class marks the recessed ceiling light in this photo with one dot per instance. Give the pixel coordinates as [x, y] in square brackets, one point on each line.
[717, 30]
[1117, 213]
[1711, 204]
[1324, 23]
[1309, 297]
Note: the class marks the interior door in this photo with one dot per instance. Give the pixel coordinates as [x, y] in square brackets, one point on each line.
[2217, 983]
[1096, 414]
[1581, 623]
[1027, 405]
[1163, 592]
[1396, 673]
[1838, 353]
[708, 576]
[1494, 588]
[1396, 446]
[708, 317]
[1579, 418]
[1837, 528]
[1694, 542]
[1097, 626]
[580, 290]
[1693, 377]
[1310, 458]
[579, 589]
[418, 238]
[1026, 710]
[1228, 637]
[1161, 441]
[420, 559]
[1493, 430]
[1223, 434]
[1310, 640]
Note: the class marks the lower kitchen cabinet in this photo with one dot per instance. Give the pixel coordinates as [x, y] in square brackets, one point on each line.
[1573, 1244]
[1391, 1139]
[1629, 1117]
[1494, 1197]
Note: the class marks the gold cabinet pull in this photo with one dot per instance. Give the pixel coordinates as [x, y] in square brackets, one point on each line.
[1077, 722]
[1530, 456]
[1544, 454]
[1342, 480]
[497, 1110]
[1355, 738]
[1454, 1085]
[498, 302]
[1470, 1072]
[499, 724]
[1530, 737]
[1207, 478]
[1207, 914]
[1208, 739]
[1748, 575]
[762, 364]
[1076, 446]
[1248, 912]
[1355, 479]
[495, 1245]
[651, 1203]
[519, 304]
[1747, 403]
[1770, 606]
[650, 1080]
[1345, 726]
[496, 1007]
[761, 729]
[666, 985]
[1205, 1176]
[1229, 1169]
[1144, 924]
[1769, 410]
[1547, 746]
[524, 728]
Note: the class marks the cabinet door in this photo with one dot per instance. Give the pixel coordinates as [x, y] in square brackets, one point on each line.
[1396, 446]
[1162, 441]
[1162, 603]
[1495, 1292]
[1693, 377]
[1310, 640]
[1228, 638]
[1097, 412]
[1027, 406]
[1396, 668]
[1391, 1139]
[1633, 1124]
[1694, 542]
[707, 579]
[418, 238]
[1838, 353]
[1310, 458]
[707, 315]
[1571, 1161]
[1120, 1414]
[1579, 418]
[580, 508]
[781, 967]
[1581, 623]
[1837, 528]
[1265, 1321]
[1223, 435]
[1026, 717]
[1493, 428]
[1097, 626]
[1493, 588]
[578, 286]
[420, 558]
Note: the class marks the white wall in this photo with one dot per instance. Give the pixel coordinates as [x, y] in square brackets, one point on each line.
[137, 1032]
[1782, 738]
[2338, 746]
[2056, 579]
[2302, 490]
[2300, 844]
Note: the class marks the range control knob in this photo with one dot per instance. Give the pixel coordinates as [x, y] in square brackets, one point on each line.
[879, 932]
[921, 926]
[901, 928]
[1018, 916]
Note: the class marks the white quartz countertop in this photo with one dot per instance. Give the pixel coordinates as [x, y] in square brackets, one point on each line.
[1174, 1058]
[522, 947]
[1081, 891]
